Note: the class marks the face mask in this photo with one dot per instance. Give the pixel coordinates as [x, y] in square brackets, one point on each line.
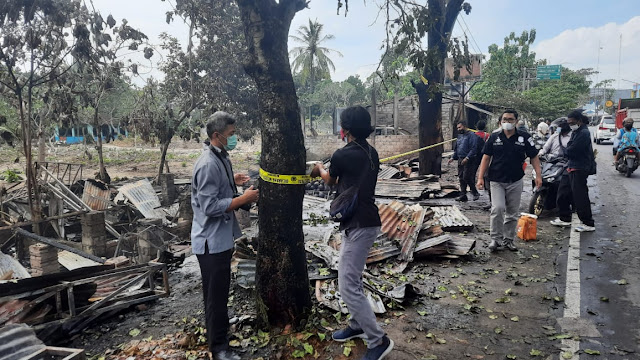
[574, 127]
[628, 127]
[232, 141]
[508, 126]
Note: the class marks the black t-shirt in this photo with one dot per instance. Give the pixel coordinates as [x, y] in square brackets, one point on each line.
[348, 165]
[508, 155]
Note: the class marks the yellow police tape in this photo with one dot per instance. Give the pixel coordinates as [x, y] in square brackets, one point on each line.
[285, 179]
[303, 179]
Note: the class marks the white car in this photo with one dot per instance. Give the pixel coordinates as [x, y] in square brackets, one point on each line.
[606, 130]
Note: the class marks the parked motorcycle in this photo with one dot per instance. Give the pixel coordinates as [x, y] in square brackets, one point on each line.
[627, 161]
[545, 197]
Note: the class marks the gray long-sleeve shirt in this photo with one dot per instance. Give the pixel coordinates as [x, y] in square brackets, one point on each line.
[212, 189]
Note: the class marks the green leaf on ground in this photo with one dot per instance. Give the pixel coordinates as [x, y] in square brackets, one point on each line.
[429, 357]
[535, 352]
[503, 300]
[511, 356]
[567, 355]
[622, 282]
[441, 341]
[497, 330]
[298, 353]
[604, 299]
[592, 352]
[493, 316]
[346, 351]
[308, 348]
[422, 313]
[442, 288]
[134, 332]
[515, 319]
[322, 336]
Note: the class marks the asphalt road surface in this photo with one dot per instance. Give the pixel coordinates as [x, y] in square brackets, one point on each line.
[602, 269]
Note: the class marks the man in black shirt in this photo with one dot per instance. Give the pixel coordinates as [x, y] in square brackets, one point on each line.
[504, 155]
[357, 164]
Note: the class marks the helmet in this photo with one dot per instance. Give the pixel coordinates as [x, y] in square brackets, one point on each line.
[543, 127]
[559, 123]
[627, 121]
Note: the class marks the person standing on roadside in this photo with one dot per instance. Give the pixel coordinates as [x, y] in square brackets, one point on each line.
[357, 164]
[504, 155]
[467, 153]
[482, 126]
[214, 199]
[581, 165]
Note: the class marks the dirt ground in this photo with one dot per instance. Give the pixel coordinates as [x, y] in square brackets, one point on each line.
[485, 306]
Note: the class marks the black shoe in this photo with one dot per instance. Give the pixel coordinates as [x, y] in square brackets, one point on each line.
[486, 207]
[225, 355]
[462, 198]
[380, 351]
[495, 246]
[510, 245]
[476, 196]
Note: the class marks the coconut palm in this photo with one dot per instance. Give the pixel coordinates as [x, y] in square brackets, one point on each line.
[311, 59]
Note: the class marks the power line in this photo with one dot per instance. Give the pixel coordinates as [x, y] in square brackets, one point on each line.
[470, 33]
[465, 34]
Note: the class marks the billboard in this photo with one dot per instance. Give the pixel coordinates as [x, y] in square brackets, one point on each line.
[474, 75]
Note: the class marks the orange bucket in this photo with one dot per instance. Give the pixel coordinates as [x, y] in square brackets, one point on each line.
[527, 227]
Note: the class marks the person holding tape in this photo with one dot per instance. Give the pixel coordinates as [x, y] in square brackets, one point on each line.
[357, 164]
[504, 154]
[214, 199]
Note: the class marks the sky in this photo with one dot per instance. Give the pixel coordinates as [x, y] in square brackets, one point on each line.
[568, 31]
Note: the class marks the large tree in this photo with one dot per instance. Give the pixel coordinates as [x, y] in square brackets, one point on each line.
[312, 59]
[408, 23]
[282, 282]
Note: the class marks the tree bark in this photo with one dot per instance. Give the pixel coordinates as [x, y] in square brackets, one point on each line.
[163, 157]
[96, 125]
[444, 14]
[282, 282]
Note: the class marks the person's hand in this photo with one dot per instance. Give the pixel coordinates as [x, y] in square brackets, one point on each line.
[450, 160]
[316, 170]
[241, 179]
[465, 161]
[538, 181]
[250, 195]
[480, 184]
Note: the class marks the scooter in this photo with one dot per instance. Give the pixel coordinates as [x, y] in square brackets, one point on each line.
[627, 161]
[545, 197]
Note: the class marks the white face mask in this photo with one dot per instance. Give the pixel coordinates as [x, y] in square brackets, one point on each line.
[574, 127]
[508, 126]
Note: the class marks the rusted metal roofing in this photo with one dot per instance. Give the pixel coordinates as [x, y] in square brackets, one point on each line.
[96, 195]
[400, 221]
[144, 198]
[403, 189]
[18, 341]
[451, 218]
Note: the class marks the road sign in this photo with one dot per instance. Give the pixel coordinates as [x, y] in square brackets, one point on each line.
[609, 103]
[549, 72]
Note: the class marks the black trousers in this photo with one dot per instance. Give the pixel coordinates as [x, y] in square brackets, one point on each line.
[467, 175]
[577, 190]
[216, 279]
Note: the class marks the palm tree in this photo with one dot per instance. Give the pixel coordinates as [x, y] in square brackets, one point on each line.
[311, 59]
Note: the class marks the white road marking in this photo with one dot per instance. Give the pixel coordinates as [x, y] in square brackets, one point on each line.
[572, 285]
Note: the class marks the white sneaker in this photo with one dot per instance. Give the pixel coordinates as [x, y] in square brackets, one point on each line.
[585, 228]
[558, 222]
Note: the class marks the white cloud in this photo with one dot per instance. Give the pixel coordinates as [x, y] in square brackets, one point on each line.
[578, 48]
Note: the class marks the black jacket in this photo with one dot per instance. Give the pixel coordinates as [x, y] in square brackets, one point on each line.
[579, 150]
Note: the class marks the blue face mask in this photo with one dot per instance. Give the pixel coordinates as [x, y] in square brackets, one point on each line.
[232, 141]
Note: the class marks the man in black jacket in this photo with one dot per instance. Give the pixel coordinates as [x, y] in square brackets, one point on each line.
[467, 153]
[581, 165]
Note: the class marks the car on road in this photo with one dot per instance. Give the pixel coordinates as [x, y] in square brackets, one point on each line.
[606, 130]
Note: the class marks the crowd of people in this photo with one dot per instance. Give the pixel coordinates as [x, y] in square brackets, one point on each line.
[492, 161]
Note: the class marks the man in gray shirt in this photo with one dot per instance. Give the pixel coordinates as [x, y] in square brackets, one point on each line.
[214, 199]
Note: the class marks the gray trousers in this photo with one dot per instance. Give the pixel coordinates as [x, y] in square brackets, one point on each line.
[505, 210]
[353, 256]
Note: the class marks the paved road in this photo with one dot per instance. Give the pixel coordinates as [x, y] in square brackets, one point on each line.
[602, 296]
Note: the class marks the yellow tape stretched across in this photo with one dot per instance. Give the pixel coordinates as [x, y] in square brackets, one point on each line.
[416, 150]
[285, 179]
[303, 179]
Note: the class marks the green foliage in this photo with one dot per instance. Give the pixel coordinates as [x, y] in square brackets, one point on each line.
[311, 60]
[11, 176]
[502, 82]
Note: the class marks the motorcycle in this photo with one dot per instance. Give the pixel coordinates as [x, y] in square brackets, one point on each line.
[545, 197]
[628, 161]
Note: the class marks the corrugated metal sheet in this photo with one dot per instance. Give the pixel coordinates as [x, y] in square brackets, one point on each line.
[96, 196]
[9, 264]
[72, 261]
[388, 172]
[400, 221]
[18, 341]
[451, 218]
[144, 198]
[402, 189]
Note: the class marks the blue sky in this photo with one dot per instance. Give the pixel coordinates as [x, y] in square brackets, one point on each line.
[568, 31]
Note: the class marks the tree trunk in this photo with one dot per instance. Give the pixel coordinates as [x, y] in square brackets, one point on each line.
[282, 282]
[163, 157]
[444, 14]
[96, 125]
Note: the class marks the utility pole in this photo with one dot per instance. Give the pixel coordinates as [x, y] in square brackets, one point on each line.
[619, 59]
[596, 84]
[374, 117]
